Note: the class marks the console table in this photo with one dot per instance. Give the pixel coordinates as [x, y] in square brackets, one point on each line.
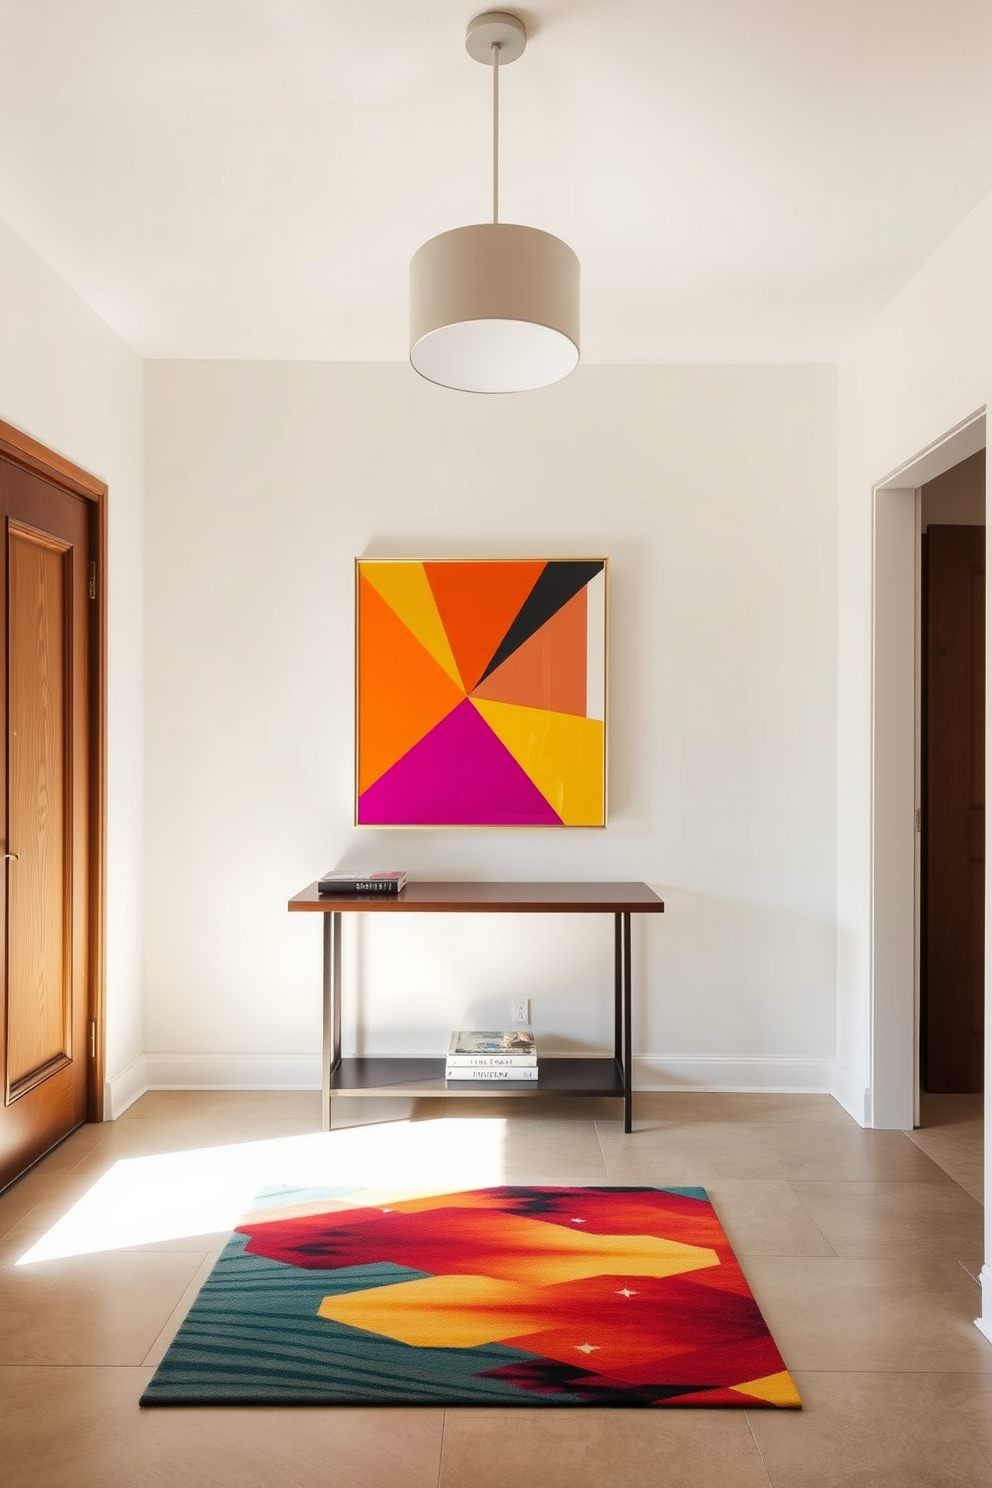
[425, 1077]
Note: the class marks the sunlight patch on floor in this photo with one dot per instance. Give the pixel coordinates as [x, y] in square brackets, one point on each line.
[141, 1200]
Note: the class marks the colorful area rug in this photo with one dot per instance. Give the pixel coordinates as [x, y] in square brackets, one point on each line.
[496, 1296]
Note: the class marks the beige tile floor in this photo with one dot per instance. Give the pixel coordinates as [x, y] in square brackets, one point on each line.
[861, 1247]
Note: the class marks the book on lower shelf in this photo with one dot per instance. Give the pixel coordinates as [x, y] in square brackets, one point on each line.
[334, 882]
[494, 1055]
[492, 1075]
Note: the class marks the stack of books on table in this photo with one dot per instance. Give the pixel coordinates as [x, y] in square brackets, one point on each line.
[492, 1056]
[362, 883]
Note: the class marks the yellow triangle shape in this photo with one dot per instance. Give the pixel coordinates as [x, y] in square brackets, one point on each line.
[404, 587]
[776, 1389]
[562, 754]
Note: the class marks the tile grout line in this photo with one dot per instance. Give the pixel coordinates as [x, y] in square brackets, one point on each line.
[930, 1157]
[757, 1448]
[440, 1450]
[799, 1200]
[602, 1150]
[911, 1137]
[195, 1282]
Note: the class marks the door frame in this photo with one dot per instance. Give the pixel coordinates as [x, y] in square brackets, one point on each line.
[20, 449]
[895, 772]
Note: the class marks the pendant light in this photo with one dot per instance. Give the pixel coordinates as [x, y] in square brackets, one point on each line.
[494, 308]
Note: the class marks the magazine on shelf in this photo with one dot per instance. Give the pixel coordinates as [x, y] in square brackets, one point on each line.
[362, 883]
[516, 1042]
[491, 1076]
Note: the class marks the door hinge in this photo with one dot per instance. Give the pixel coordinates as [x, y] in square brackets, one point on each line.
[92, 1039]
[92, 581]
[919, 819]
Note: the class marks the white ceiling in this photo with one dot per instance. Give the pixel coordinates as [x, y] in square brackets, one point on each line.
[741, 179]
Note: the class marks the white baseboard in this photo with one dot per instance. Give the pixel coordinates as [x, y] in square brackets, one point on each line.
[984, 1323]
[662, 1072]
[124, 1088]
[850, 1091]
[233, 1071]
[651, 1072]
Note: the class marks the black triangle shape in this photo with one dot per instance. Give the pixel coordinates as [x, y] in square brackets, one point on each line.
[557, 583]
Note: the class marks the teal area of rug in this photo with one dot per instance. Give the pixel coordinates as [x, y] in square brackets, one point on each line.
[253, 1337]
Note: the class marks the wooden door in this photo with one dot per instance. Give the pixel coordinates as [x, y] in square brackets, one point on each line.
[47, 769]
[953, 951]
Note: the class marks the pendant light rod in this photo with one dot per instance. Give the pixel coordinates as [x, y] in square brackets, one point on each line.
[496, 52]
[496, 38]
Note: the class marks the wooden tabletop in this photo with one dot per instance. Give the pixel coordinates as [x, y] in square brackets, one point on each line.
[498, 898]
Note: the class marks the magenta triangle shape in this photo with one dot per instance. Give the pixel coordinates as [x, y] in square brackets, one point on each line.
[461, 775]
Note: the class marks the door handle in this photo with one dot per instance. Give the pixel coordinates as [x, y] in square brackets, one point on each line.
[12, 857]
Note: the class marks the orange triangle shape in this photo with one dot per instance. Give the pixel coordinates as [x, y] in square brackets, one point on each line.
[549, 669]
[402, 691]
[477, 603]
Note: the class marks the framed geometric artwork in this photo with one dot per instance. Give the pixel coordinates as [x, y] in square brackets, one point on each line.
[481, 692]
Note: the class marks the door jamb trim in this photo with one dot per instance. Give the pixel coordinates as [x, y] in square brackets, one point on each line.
[893, 1030]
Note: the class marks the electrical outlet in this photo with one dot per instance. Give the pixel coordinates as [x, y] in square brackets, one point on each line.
[520, 1009]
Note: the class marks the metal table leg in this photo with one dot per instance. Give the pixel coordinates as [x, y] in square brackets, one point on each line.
[331, 1045]
[618, 989]
[628, 1097]
[621, 1006]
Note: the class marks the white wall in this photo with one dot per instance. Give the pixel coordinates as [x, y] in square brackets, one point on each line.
[70, 382]
[713, 490]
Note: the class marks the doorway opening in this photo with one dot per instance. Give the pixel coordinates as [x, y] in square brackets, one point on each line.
[952, 781]
[897, 774]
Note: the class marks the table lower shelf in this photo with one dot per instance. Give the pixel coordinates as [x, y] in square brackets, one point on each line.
[564, 1076]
